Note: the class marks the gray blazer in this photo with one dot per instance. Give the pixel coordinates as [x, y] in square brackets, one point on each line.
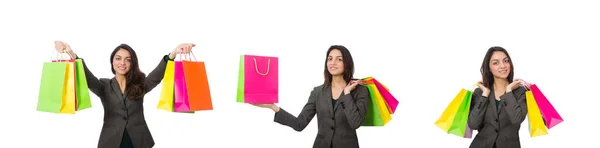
[122, 113]
[497, 125]
[337, 123]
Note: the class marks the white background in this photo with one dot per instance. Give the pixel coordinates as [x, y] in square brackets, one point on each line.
[424, 51]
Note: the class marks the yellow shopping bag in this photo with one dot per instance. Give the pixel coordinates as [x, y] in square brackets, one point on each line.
[383, 107]
[536, 123]
[370, 82]
[445, 121]
[68, 97]
[380, 113]
[166, 94]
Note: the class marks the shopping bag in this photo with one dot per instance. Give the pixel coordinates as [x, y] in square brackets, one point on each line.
[196, 82]
[68, 95]
[167, 93]
[378, 110]
[370, 80]
[468, 132]
[447, 118]
[390, 100]
[382, 106]
[70, 65]
[241, 80]
[549, 114]
[81, 88]
[373, 115]
[50, 96]
[258, 80]
[181, 103]
[459, 123]
[536, 123]
[454, 119]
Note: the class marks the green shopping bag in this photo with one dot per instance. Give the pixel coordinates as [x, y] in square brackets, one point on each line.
[81, 88]
[240, 87]
[51, 87]
[459, 124]
[373, 116]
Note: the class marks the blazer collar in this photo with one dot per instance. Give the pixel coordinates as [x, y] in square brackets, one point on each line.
[337, 102]
[492, 100]
[328, 96]
[117, 88]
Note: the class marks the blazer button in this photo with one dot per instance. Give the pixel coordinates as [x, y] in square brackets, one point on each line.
[332, 128]
[496, 120]
[496, 131]
[124, 118]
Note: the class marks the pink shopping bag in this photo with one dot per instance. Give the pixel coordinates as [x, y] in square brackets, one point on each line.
[387, 96]
[181, 102]
[468, 132]
[261, 79]
[549, 114]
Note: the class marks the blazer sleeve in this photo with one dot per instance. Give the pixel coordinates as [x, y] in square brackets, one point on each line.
[300, 122]
[479, 105]
[515, 105]
[355, 108]
[94, 84]
[156, 76]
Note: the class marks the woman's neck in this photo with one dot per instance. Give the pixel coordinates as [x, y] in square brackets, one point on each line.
[338, 82]
[500, 84]
[122, 80]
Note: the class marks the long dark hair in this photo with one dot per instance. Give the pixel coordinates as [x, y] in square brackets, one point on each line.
[486, 74]
[135, 77]
[348, 65]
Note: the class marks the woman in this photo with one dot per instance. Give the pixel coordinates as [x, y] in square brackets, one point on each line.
[340, 104]
[123, 95]
[498, 107]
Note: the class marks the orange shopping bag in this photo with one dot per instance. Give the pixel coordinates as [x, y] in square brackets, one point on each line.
[196, 82]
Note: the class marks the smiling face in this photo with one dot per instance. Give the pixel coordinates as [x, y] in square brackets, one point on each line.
[335, 63]
[122, 62]
[500, 65]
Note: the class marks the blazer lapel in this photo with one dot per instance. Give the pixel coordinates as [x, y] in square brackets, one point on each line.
[117, 89]
[328, 97]
[492, 100]
[337, 103]
[500, 106]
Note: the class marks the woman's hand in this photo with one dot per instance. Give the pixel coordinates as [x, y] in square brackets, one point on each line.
[183, 48]
[352, 85]
[63, 47]
[514, 85]
[273, 107]
[486, 91]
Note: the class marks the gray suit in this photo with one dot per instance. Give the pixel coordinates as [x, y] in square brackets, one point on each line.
[122, 113]
[337, 123]
[497, 125]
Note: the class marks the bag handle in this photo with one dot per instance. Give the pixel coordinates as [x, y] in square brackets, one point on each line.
[180, 57]
[190, 59]
[268, 67]
[525, 84]
[187, 57]
[60, 57]
[473, 87]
